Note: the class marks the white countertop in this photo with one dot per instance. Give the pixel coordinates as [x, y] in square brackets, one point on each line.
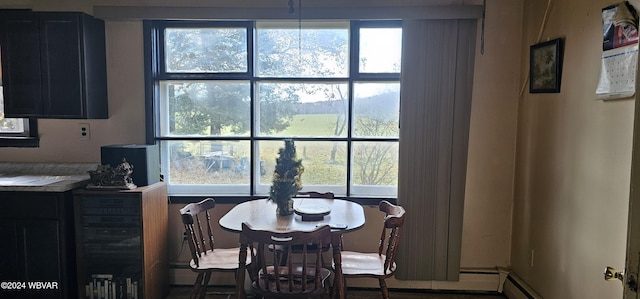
[44, 177]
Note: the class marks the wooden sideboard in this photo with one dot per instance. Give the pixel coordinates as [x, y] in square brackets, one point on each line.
[121, 241]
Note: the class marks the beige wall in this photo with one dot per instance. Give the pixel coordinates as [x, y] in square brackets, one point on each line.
[573, 164]
[488, 204]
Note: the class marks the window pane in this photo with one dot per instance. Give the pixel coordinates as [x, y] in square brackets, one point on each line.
[380, 50]
[310, 49]
[9, 125]
[209, 162]
[206, 50]
[302, 109]
[376, 109]
[325, 164]
[206, 108]
[375, 168]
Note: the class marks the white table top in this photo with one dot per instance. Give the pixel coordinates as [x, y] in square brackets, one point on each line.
[261, 214]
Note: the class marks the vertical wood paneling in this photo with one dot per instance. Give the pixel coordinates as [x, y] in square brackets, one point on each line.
[154, 237]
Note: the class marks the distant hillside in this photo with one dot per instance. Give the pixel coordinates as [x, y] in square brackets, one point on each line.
[382, 104]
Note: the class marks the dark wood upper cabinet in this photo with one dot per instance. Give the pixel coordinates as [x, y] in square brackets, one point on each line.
[20, 49]
[53, 65]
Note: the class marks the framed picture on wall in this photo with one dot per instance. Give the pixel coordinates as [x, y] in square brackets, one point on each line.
[545, 67]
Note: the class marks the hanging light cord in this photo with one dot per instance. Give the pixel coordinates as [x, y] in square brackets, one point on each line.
[484, 14]
[542, 26]
[292, 11]
[300, 31]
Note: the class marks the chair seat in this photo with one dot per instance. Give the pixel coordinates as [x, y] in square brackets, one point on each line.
[219, 258]
[359, 263]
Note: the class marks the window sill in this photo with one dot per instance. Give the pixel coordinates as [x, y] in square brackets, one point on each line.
[236, 200]
[6, 141]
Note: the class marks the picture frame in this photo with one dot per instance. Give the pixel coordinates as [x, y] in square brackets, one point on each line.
[545, 67]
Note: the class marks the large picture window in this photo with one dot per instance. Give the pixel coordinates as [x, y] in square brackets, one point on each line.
[227, 94]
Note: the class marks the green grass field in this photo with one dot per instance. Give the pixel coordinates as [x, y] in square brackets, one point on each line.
[311, 125]
[324, 161]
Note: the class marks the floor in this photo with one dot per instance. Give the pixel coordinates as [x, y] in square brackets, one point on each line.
[181, 292]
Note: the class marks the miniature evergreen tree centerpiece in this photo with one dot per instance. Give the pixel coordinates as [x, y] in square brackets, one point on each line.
[286, 178]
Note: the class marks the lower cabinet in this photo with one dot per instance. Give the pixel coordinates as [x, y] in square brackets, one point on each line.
[37, 246]
[122, 243]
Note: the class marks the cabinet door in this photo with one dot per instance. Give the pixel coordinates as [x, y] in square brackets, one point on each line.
[61, 64]
[20, 54]
[8, 250]
[73, 62]
[42, 262]
[37, 243]
[30, 257]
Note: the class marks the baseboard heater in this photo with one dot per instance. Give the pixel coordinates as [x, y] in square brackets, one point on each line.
[472, 280]
[515, 288]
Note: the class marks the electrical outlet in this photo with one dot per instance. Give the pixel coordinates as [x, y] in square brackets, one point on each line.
[85, 131]
[184, 236]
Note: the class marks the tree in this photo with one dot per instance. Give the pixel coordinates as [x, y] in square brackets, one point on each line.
[210, 107]
[310, 52]
[376, 162]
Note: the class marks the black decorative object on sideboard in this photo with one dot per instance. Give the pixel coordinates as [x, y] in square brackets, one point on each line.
[122, 238]
[112, 178]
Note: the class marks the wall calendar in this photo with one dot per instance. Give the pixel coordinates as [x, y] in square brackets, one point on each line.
[619, 52]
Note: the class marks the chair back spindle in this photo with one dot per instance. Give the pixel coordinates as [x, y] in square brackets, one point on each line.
[393, 222]
[199, 232]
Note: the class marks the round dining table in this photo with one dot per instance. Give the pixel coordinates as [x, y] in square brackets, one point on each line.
[341, 215]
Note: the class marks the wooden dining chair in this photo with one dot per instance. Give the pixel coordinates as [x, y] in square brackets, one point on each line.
[302, 276]
[205, 257]
[382, 264]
